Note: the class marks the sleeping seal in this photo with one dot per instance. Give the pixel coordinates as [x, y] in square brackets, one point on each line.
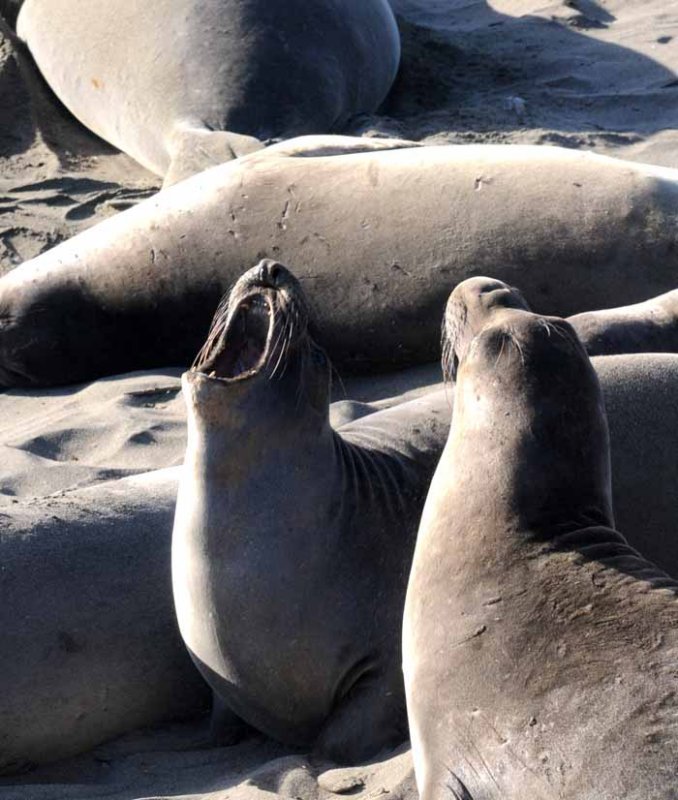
[292, 543]
[90, 646]
[575, 230]
[647, 327]
[540, 649]
[180, 85]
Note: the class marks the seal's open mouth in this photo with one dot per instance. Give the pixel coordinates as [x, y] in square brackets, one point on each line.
[239, 340]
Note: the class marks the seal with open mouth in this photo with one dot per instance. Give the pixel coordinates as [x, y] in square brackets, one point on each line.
[540, 649]
[292, 543]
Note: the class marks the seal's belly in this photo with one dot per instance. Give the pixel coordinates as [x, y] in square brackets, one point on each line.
[262, 635]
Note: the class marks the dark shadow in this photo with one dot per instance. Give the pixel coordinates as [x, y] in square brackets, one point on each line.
[608, 548]
[17, 127]
[172, 760]
[9, 11]
[467, 68]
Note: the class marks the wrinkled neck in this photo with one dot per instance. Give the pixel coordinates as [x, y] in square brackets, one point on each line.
[533, 448]
[232, 423]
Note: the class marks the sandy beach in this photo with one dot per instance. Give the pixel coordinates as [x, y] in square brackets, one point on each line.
[601, 76]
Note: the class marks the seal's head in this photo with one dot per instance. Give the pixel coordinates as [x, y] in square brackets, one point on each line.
[260, 350]
[468, 309]
[525, 386]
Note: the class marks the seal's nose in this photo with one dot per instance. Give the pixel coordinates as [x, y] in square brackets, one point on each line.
[271, 273]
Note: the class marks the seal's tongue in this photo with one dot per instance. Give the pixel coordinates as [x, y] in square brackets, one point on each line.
[237, 347]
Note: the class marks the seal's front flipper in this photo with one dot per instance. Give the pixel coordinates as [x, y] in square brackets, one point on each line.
[371, 718]
[321, 145]
[196, 149]
[226, 728]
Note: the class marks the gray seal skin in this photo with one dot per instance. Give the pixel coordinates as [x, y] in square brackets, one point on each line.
[540, 649]
[640, 391]
[647, 327]
[102, 556]
[180, 85]
[575, 230]
[292, 543]
[90, 645]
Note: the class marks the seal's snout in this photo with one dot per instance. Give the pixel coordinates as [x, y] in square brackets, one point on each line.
[473, 304]
[483, 294]
[270, 273]
[257, 325]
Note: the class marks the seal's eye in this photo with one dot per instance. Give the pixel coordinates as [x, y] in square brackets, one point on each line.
[318, 357]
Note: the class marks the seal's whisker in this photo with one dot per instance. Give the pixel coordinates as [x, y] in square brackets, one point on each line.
[220, 320]
[301, 386]
[215, 334]
[290, 337]
[334, 371]
[285, 338]
[448, 359]
[277, 345]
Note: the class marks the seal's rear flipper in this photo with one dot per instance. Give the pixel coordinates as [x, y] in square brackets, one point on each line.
[370, 719]
[196, 149]
[226, 728]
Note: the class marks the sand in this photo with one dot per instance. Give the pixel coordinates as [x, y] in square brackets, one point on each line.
[173, 762]
[584, 74]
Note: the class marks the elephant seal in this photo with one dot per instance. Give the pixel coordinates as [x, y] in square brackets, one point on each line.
[647, 327]
[292, 543]
[102, 556]
[180, 85]
[539, 647]
[90, 645]
[575, 230]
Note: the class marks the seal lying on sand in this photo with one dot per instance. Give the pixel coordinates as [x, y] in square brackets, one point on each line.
[648, 327]
[180, 85]
[90, 647]
[575, 230]
[540, 649]
[292, 543]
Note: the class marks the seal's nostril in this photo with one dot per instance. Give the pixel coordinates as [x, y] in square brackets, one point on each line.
[269, 272]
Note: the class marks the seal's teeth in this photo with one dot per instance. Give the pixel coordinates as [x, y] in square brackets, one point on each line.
[212, 374]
